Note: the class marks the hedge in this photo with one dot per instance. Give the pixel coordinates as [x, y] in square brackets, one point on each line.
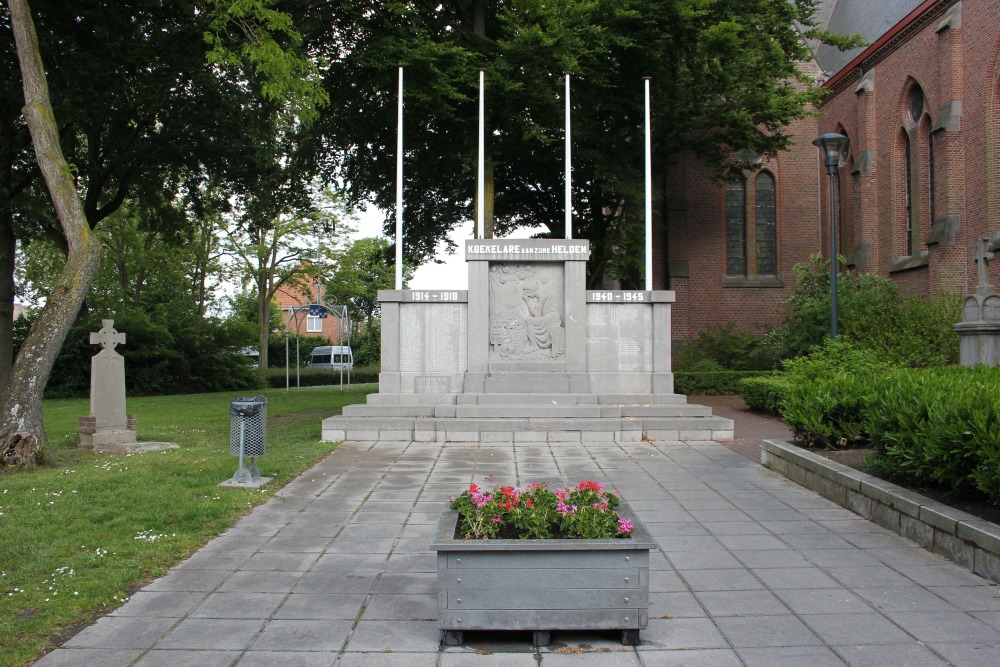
[314, 377]
[716, 383]
[938, 426]
[766, 393]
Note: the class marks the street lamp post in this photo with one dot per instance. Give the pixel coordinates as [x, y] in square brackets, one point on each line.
[831, 144]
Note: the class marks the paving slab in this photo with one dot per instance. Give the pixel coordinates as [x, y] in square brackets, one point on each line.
[750, 569]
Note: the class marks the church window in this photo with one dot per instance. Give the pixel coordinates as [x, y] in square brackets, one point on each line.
[736, 229]
[766, 227]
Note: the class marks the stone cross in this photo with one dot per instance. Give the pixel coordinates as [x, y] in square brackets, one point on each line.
[983, 257]
[107, 337]
[107, 380]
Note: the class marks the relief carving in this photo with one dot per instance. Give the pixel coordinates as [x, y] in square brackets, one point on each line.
[526, 305]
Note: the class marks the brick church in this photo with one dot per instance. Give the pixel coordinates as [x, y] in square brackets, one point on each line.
[918, 184]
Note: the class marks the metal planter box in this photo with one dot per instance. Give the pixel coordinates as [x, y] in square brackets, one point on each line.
[542, 585]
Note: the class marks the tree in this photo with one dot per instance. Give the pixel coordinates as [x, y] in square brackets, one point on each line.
[147, 109]
[23, 431]
[121, 134]
[276, 251]
[360, 272]
[726, 83]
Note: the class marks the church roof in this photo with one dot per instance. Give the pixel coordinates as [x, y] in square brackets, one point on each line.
[869, 18]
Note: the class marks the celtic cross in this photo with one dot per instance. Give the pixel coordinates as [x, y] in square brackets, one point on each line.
[107, 337]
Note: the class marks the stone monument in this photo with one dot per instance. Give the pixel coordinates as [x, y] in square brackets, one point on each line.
[109, 428]
[527, 354]
[979, 329]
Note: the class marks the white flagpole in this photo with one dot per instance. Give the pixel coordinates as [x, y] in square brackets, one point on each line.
[649, 195]
[481, 171]
[399, 186]
[569, 183]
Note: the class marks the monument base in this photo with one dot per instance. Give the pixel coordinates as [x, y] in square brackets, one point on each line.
[116, 441]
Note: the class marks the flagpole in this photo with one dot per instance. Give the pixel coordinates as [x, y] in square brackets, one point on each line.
[568, 179]
[399, 186]
[481, 170]
[649, 193]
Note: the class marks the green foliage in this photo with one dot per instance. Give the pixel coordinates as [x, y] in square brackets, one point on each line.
[169, 357]
[828, 392]
[713, 382]
[905, 331]
[367, 345]
[288, 77]
[765, 394]
[366, 266]
[939, 426]
[728, 348]
[725, 79]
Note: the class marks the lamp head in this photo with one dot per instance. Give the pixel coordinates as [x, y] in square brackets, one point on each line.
[831, 144]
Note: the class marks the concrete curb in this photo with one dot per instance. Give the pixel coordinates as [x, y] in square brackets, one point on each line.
[962, 538]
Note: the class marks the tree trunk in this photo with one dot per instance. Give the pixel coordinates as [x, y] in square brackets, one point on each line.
[8, 248]
[263, 318]
[21, 406]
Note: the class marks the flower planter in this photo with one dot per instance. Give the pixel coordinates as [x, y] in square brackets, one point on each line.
[542, 585]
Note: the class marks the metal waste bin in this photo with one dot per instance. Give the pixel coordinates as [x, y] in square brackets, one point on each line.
[247, 435]
[249, 426]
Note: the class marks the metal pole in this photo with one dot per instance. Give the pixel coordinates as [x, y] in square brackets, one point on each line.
[399, 186]
[287, 379]
[569, 179]
[481, 169]
[649, 193]
[833, 255]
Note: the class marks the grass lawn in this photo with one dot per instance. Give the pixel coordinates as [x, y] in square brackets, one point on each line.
[79, 534]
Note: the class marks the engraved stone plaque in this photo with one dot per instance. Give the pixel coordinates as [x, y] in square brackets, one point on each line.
[619, 337]
[436, 340]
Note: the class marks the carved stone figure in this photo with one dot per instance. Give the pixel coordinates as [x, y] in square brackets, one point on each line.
[525, 313]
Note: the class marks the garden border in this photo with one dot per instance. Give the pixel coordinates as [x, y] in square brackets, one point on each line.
[967, 540]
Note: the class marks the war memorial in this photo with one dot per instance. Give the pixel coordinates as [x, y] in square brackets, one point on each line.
[526, 354]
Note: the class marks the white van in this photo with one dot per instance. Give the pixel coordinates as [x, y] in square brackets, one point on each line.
[332, 357]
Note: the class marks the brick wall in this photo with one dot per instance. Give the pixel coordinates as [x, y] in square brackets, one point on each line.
[952, 52]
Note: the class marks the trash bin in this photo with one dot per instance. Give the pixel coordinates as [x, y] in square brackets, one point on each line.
[246, 437]
[249, 426]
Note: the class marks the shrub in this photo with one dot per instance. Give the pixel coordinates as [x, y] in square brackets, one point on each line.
[828, 390]
[905, 331]
[711, 383]
[727, 348]
[764, 394]
[939, 426]
[315, 377]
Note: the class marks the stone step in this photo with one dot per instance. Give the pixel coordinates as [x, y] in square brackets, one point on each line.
[411, 399]
[542, 409]
[526, 428]
[537, 409]
[513, 398]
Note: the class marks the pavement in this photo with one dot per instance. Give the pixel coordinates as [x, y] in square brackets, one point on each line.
[751, 569]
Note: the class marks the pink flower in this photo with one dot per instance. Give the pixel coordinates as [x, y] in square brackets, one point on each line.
[497, 519]
[624, 526]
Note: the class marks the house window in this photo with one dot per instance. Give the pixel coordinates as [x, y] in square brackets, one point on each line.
[736, 230]
[314, 324]
[765, 225]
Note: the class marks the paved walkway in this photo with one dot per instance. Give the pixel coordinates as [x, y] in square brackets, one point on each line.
[751, 570]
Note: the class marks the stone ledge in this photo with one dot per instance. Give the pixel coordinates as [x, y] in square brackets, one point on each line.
[960, 537]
